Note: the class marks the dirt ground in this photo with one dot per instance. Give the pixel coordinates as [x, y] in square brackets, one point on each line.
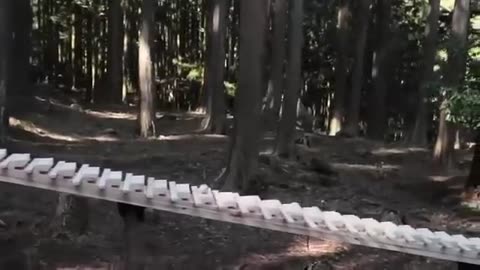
[386, 182]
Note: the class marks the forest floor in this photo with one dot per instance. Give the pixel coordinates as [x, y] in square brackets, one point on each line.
[382, 181]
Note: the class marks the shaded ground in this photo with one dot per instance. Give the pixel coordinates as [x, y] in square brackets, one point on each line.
[382, 181]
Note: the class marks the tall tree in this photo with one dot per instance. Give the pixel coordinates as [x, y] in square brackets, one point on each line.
[453, 78]
[115, 52]
[286, 132]
[377, 114]
[277, 77]
[341, 68]
[21, 48]
[353, 110]
[5, 36]
[146, 113]
[419, 133]
[243, 156]
[215, 66]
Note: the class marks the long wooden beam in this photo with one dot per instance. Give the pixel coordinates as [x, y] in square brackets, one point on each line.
[201, 201]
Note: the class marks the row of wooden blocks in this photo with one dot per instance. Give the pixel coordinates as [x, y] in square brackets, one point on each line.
[49, 172]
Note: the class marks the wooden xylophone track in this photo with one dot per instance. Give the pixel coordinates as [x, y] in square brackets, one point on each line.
[105, 184]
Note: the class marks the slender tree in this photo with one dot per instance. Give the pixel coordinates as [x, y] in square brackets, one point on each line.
[341, 68]
[146, 113]
[278, 54]
[377, 114]
[353, 109]
[419, 133]
[215, 67]
[5, 36]
[286, 132]
[243, 156]
[115, 52]
[21, 48]
[454, 76]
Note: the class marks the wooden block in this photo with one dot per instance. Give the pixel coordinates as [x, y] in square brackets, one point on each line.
[292, 212]
[15, 164]
[133, 183]
[86, 173]
[38, 169]
[110, 179]
[271, 209]
[227, 201]
[313, 216]
[249, 205]
[62, 169]
[203, 197]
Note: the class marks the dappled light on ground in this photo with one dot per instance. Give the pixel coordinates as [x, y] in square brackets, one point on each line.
[366, 167]
[31, 127]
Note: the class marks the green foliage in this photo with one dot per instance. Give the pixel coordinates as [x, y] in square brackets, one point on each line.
[464, 108]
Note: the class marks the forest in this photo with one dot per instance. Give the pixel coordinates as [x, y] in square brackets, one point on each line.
[365, 107]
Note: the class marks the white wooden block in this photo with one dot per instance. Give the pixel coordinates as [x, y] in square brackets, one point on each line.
[184, 193]
[424, 235]
[408, 233]
[203, 197]
[389, 229]
[63, 169]
[38, 169]
[271, 209]
[444, 239]
[313, 216]
[227, 201]
[110, 178]
[292, 212]
[353, 224]
[157, 188]
[372, 227]
[15, 164]
[133, 183]
[86, 173]
[333, 220]
[3, 153]
[173, 194]
[249, 205]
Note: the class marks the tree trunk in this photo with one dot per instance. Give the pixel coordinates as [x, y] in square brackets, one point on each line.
[21, 48]
[146, 114]
[71, 214]
[419, 133]
[215, 121]
[377, 115]
[286, 132]
[353, 111]
[454, 76]
[473, 180]
[5, 41]
[243, 157]
[78, 49]
[115, 52]
[341, 68]
[276, 85]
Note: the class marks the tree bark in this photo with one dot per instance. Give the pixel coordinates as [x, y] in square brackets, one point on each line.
[353, 109]
[473, 180]
[146, 114]
[78, 81]
[115, 52]
[454, 76]
[277, 78]
[341, 68]
[243, 156]
[377, 114]
[5, 40]
[215, 121]
[71, 214]
[21, 48]
[419, 133]
[286, 132]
